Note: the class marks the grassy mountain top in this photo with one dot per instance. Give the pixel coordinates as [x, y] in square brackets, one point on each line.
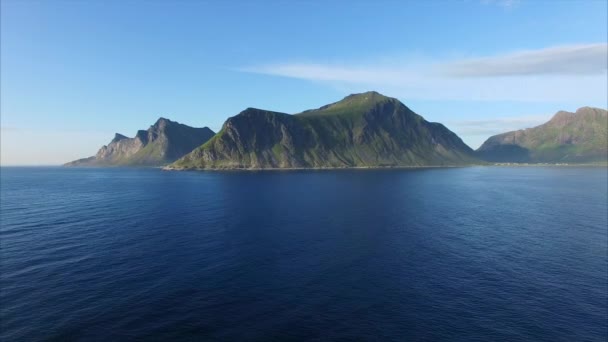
[354, 104]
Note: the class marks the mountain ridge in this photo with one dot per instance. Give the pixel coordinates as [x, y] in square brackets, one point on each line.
[568, 137]
[361, 130]
[162, 143]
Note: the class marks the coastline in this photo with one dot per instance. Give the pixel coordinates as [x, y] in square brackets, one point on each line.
[604, 165]
[168, 168]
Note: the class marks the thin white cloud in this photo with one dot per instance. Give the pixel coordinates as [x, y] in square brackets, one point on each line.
[475, 131]
[506, 4]
[334, 73]
[591, 59]
[566, 73]
[488, 127]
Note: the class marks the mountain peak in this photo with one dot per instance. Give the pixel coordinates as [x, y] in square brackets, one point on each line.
[586, 109]
[118, 137]
[581, 113]
[368, 96]
[252, 110]
[561, 115]
[366, 99]
[568, 137]
[147, 148]
[162, 121]
[352, 104]
[371, 93]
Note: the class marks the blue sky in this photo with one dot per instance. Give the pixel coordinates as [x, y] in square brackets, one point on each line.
[74, 73]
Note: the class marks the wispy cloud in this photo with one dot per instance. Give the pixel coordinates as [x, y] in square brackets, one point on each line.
[565, 60]
[506, 4]
[475, 131]
[487, 127]
[335, 72]
[564, 73]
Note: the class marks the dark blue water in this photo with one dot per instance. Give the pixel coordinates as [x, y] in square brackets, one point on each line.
[469, 254]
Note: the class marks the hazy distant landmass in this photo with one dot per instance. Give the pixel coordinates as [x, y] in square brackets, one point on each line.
[362, 130]
[580, 137]
[163, 143]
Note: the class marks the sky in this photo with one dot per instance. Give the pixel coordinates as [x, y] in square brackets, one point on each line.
[73, 73]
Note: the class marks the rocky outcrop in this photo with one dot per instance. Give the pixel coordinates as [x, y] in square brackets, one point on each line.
[163, 143]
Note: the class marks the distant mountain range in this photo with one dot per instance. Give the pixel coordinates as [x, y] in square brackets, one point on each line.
[163, 143]
[580, 137]
[362, 130]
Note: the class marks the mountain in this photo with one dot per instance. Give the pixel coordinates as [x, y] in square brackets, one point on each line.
[362, 130]
[163, 143]
[580, 137]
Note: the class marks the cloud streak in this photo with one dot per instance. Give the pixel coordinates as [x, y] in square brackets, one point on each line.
[488, 127]
[564, 60]
[506, 4]
[564, 73]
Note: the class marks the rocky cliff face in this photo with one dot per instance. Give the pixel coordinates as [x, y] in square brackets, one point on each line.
[578, 137]
[121, 147]
[163, 143]
[362, 130]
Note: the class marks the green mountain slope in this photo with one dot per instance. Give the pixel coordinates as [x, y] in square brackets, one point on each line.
[580, 137]
[163, 143]
[362, 130]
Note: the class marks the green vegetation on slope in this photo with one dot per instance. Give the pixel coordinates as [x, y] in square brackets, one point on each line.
[363, 130]
[580, 137]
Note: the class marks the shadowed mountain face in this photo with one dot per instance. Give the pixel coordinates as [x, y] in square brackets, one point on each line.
[163, 143]
[362, 130]
[580, 137]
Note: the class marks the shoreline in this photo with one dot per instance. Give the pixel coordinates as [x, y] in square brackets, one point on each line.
[603, 165]
[164, 168]
[167, 168]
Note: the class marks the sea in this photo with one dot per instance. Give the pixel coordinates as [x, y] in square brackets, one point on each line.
[425, 254]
